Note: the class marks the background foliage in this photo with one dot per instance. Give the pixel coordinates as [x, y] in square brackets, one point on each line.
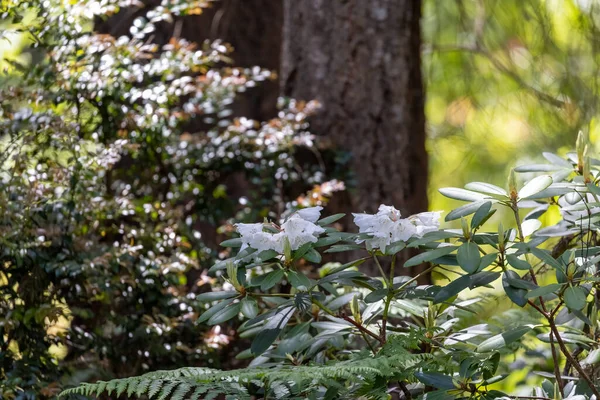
[106, 233]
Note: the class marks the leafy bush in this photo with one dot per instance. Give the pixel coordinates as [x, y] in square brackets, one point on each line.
[111, 208]
[342, 334]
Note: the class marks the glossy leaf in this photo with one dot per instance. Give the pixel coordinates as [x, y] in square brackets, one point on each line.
[501, 340]
[468, 257]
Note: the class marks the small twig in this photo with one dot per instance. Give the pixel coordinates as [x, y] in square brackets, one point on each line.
[559, 380]
[405, 390]
[582, 374]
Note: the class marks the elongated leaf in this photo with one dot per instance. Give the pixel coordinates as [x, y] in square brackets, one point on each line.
[517, 263]
[516, 295]
[435, 379]
[330, 220]
[395, 248]
[483, 278]
[521, 283]
[481, 215]
[537, 168]
[327, 241]
[225, 314]
[593, 358]
[235, 242]
[429, 256]
[462, 194]
[535, 186]
[249, 308]
[298, 280]
[575, 297]
[214, 296]
[544, 290]
[206, 315]
[546, 257]
[312, 256]
[556, 189]
[530, 226]
[376, 295]
[488, 188]
[463, 211]
[264, 340]
[452, 289]
[272, 278]
[468, 257]
[499, 341]
[557, 160]
[487, 260]
[342, 247]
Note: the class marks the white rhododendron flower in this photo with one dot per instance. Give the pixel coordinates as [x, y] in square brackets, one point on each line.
[299, 229]
[387, 227]
[426, 222]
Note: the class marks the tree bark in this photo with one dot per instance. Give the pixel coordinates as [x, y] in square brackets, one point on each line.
[361, 60]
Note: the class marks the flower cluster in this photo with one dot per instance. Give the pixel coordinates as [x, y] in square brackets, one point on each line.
[298, 229]
[387, 227]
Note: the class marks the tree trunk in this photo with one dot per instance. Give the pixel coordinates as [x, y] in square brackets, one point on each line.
[361, 60]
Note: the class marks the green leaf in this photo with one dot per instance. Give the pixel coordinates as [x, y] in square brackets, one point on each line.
[544, 290]
[249, 307]
[516, 295]
[271, 279]
[376, 295]
[498, 341]
[483, 278]
[461, 194]
[327, 241]
[521, 283]
[517, 263]
[488, 188]
[537, 168]
[330, 220]
[575, 297]
[468, 257]
[312, 256]
[264, 340]
[395, 248]
[225, 314]
[452, 289]
[342, 247]
[487, 260]
[481, 215]
[593, 189]
[463, 211]
[235, 242]
[593, 358]
[206, 315]
[535, 186]
[214, 296]
[546, 257]
[436, 380]
[298, 280]
[557, 160]
[266, 255]
[429, 256]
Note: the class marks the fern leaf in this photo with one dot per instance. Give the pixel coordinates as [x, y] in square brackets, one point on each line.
[155, 388]
[167, 389]
[142, 387]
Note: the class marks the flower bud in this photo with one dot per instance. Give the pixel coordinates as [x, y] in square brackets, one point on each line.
[512, 185]
[580, 145]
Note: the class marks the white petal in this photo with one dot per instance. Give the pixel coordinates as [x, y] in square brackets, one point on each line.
[311, 214]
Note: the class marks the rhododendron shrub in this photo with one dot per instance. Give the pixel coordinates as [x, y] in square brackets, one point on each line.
[339, 333]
